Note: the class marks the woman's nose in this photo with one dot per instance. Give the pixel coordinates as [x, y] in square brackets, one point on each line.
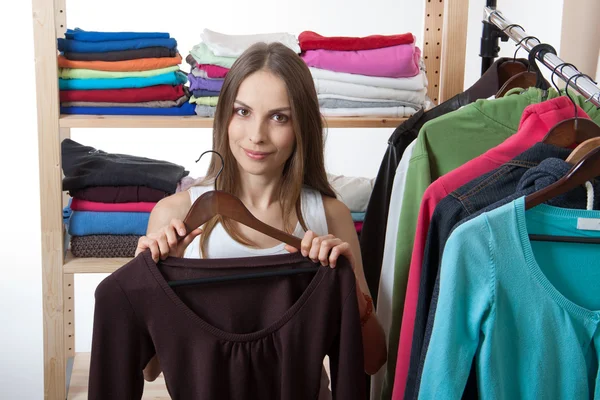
[258, 133]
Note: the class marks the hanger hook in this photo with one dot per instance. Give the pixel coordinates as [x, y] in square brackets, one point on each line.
[538, 51]
[561, 66]
[526, 40]
[222, 164]
[575, 77]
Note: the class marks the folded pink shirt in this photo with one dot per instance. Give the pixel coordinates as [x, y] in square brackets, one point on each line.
[86, 205]
[213, 71]
[536, 121]
[400, 61]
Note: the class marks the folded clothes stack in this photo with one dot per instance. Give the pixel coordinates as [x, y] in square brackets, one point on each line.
[372, 76]
[121, 73]
[112, 197]
[211, 59]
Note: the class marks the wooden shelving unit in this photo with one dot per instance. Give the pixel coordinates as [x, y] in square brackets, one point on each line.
[125, 121]
[445, 23]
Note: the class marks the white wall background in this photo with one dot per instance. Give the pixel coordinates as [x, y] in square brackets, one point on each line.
[349, 152]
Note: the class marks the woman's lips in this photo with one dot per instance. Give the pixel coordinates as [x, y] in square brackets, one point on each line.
[256, 155]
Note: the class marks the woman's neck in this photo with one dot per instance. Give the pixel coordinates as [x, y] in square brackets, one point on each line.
[259, 191]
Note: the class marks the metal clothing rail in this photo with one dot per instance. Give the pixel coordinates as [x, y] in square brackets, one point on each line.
[582, 84]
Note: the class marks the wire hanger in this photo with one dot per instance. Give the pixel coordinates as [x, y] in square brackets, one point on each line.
[571, 131]
[218, 202]
[533, 76]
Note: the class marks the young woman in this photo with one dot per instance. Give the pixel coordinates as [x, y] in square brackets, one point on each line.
[269, 130]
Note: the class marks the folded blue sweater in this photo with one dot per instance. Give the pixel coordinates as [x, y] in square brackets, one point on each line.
[91, 36]
[83, 223]
[169, 78]
[78, 46]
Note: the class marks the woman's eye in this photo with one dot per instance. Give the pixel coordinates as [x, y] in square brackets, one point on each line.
[242, 112]
[280, 118]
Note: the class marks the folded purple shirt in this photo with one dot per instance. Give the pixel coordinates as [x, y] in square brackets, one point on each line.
[197, 83]
[400, 61]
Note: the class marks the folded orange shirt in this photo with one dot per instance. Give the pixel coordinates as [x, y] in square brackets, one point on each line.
[141, 64]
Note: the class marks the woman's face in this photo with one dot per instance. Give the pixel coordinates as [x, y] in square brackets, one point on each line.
[261, 136]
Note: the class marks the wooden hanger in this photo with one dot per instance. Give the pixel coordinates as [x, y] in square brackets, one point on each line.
[574, 130]
[582, 150]
[585, 170]
[218, 202]
[533, 76]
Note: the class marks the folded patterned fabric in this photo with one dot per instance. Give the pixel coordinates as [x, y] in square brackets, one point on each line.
[324, 86]
[104, 246]
[122, 55]
[142, 64]
[205, 93]
[134, 95]
[77, 73]
[203, 55]
[417, 82]
[205, 111]
[212, 71]
[147, 104]
[205, 101]
[234, 45]
[91, 36]
[393, 62]
[113, 45]
[119, 194]
[86, 205]
[391, 112]
[196, 83]
[340, 103]
[84, 223]
[312, 41]
[170, 78]
[184, 109]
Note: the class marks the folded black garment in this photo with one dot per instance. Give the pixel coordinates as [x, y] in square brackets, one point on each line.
[85, 166]
[122, 55]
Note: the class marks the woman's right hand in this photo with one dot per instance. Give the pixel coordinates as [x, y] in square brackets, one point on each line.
[165, 242]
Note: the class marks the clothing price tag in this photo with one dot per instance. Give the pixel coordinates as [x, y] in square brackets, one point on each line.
[588, 224]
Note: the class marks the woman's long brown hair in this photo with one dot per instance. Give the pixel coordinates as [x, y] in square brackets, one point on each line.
[306, 165]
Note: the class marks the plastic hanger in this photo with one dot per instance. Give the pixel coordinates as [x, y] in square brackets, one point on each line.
[574, 130]
[587, 169]
[533, 76]
[218, 202]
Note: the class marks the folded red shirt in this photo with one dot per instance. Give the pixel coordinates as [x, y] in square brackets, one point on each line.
[312, 41]
[135, 95]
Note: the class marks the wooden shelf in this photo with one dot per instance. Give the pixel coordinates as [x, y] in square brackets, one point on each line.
[78, 388]
[76, 265]
[134, 121]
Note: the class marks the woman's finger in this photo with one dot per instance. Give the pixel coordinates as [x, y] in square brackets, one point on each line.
[306, 243]
[179, 226]
[163, 246]
[343, 248]
[326, 246]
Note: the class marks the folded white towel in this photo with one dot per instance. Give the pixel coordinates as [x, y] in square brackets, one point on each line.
[417, 82]
[390, 112]
[224, 45]
[325, 86]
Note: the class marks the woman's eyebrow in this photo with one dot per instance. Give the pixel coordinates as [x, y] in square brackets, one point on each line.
[270, 111]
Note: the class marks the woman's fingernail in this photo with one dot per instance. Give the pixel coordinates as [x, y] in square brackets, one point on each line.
[181, 232]
[304, 253]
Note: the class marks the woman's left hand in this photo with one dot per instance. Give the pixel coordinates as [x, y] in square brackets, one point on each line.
[324, 249]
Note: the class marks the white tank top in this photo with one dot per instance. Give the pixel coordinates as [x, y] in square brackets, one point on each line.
[220, 245]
